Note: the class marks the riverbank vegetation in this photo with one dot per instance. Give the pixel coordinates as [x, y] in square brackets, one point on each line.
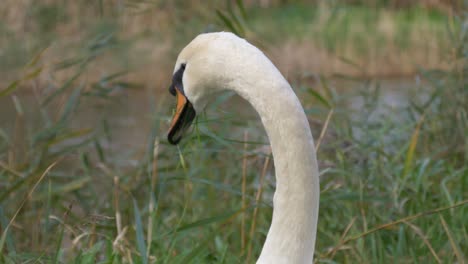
[322, 38]
[88, 177]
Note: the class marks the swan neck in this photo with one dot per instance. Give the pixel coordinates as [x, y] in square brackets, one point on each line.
[291, 237]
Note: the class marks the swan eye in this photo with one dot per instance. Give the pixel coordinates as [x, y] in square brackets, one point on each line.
[177, 80]
[172, 90]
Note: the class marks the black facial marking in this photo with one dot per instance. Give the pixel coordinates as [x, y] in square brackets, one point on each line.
[177, 80]
[188, 113]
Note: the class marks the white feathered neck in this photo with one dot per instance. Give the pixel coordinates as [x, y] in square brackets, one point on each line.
[222, 61]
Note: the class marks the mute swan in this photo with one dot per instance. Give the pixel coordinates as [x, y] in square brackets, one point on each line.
[216, 62]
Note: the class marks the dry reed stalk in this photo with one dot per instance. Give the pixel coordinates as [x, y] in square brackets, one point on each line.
[324, 129]
[420, 233]
[405, 219]
[116, 243]
[10, 170]
[257, 202]
[5, 231]
[118, 220]
[453, 243]
[92, 234]
[154, 180]
[244, 176]
[340, 244]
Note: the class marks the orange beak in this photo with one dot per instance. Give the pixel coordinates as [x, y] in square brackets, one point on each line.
[181, 101]
[183, 117]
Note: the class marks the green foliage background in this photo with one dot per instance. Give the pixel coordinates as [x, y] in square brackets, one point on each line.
[76, 187]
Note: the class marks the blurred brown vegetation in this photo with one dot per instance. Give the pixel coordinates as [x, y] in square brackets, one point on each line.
[445, 5]
[148, 35]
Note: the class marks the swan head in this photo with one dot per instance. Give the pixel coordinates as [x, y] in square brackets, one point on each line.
[204, 68]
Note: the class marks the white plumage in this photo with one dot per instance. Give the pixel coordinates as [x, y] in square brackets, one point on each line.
[216, 62]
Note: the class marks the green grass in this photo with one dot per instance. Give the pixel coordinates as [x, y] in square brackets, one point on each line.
[67, 195]
[340, 26]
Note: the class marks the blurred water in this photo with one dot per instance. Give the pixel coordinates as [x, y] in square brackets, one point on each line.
[128, 116]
